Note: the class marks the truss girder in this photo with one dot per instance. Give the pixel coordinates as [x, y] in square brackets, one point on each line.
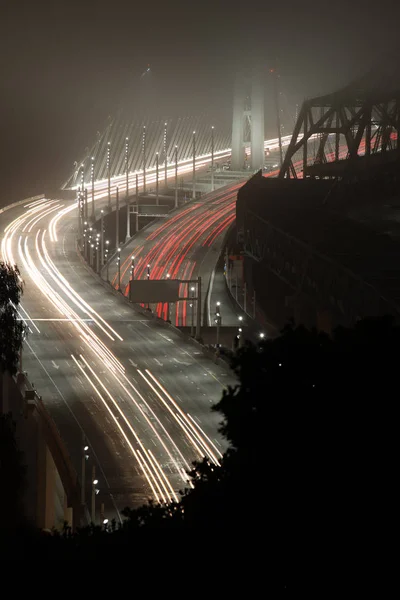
[355, 126]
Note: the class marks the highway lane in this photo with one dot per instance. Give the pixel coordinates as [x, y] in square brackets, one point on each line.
[184, 246]
[140, 395]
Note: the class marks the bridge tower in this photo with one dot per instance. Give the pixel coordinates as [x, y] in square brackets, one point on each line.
[248, 120]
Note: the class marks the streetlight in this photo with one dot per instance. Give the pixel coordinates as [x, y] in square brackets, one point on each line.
[218, 320]
[106, 258]
[102, 237]
[126, 168]
[165, 154]
[194, 166]
[192, 289]
[144, 158]
[119, 268]
[157, 178]
[262, 335]
[95, 491]
[92, 182]
[176, 176]
[212, 158]
[132, 277]
[148, 272]
[85, 457]
[109, 174]
[117, 217]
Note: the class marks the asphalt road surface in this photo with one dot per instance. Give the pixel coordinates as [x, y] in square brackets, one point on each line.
[139, 394]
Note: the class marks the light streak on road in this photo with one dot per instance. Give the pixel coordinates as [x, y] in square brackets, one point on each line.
[38, 265]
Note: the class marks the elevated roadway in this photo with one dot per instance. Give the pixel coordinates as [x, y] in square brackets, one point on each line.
[134, 389]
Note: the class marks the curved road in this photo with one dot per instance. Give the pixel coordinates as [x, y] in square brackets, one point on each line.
[140, 394]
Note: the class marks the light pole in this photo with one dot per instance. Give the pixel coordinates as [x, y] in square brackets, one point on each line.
[240, 331]
[137, 204]
[194, 166]
[127, 169]
[85, 241]
[144, 158]
[106, 257]
[119, 268]
[80, 217]
[176, 176]
[157, 178]
[117, 217]
[85, 457]
[98, 254]
[167, 319]
[218, 320]
[212, 158]
[148, 272]
[165, 155]
[198, 319]
[132, 277]
[82, 177]
[102, 237]
[92, 182]
[86, 206]
[95, 491]
[192, 289]
[109, 174]
[91, 255]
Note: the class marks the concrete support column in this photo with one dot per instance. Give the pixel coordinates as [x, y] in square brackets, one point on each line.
[257, 119]
[237, 160]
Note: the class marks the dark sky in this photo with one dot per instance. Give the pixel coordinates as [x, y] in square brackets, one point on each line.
[65, 66]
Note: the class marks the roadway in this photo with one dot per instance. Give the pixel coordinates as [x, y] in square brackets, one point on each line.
[134, 388]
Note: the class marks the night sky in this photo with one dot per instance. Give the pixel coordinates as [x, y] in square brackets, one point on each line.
[65, 66]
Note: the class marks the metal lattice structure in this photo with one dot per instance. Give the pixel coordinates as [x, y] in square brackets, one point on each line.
[137, 141]
[347, 133]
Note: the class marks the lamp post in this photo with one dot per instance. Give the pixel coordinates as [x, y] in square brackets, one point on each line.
[192, 289]
[80, 219]
[95, 491]
[218, 320]
[86, 206]
[165, 155]
[194, 165]
[119, 268]
[212, 158]
[127, 169]
[98, 254]
[92, 182]
[117, 217]
[176, 176]
[137, 204]
[109, 174]
[82, 177]
[85, 457]
[148, 272]
[167, 319]
[157, 178]
[198, 319]
[144, 158]
[132, 277]
[102, 237]
[106, 258]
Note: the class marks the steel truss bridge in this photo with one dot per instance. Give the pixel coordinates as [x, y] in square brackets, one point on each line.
[345, 134]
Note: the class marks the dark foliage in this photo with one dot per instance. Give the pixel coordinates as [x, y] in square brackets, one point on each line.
[12, 331]
[313, 458]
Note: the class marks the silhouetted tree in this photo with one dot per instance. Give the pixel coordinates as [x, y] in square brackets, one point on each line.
[12, 330]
